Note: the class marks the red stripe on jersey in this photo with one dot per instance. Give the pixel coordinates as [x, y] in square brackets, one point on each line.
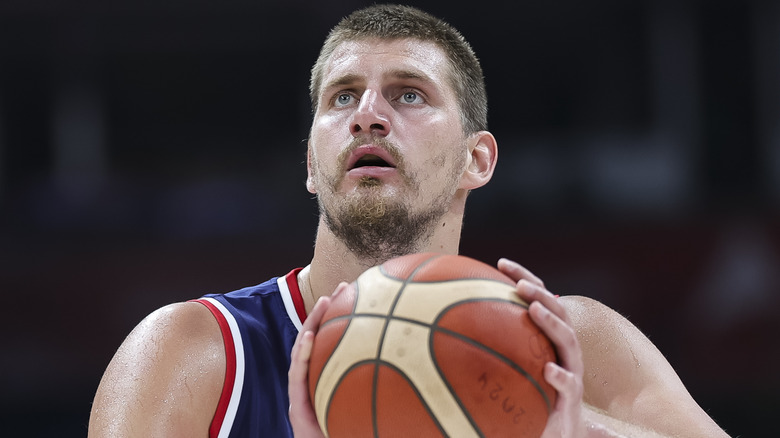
[230, 368]
[295, 293]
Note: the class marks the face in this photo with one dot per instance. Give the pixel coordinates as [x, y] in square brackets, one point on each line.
[387, 148]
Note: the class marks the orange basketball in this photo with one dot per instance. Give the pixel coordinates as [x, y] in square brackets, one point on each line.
[430, 345]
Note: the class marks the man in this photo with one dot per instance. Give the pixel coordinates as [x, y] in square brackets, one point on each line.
[397, 142]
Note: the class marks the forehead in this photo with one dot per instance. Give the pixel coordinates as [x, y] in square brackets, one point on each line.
[372, 56]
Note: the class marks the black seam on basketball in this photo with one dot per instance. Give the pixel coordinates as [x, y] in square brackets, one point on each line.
[432, 329]
[377, 363]
[353, 316]
[435, 328]
[413, 387]
[500, 356]
[414, 321]
[336, 387]
[384, 330]
[382, 315]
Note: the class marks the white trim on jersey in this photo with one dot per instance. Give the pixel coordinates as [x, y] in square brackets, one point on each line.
[284, 290]
[238, 383]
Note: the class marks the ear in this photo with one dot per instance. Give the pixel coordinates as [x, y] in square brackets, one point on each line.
[310, 186]
[481, 161]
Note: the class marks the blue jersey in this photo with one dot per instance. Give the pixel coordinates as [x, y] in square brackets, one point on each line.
[259, 325]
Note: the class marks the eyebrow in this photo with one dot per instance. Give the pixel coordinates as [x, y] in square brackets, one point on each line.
[352, 78]
[408, 74]
[343, 80]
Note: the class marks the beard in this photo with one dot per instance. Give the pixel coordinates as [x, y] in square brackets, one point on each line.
[376, 226]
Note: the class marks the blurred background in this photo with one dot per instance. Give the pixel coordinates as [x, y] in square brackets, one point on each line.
[154, 151]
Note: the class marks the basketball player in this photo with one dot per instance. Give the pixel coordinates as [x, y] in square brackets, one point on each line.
[397, 142]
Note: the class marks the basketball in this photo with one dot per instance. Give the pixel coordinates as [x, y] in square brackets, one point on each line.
[430, 345]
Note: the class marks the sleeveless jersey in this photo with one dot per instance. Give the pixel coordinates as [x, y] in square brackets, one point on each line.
[259, 325]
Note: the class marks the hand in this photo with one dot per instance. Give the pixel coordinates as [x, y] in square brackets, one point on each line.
[302, 416]
[567, 418]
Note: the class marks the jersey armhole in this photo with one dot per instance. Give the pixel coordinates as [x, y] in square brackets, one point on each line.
[234, 369]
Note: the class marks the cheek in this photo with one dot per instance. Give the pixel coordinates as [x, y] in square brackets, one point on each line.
[439, 161]
[328, 138]
[331, 125]
[446, 161]
[323, 172]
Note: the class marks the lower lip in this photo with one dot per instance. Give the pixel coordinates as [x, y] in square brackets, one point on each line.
[373, 172]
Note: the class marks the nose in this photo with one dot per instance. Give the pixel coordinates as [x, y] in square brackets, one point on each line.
[371, 115]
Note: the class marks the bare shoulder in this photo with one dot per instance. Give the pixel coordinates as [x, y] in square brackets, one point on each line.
[165, 378]
[628, 378]
[619, 359]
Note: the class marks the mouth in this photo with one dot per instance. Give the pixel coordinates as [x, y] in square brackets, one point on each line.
[370, 156]
[370, 160]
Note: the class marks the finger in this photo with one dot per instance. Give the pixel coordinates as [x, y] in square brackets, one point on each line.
[561, 334]
[517, 272]
[309, 329]
[565, 382]
[301, 351]
[302, 416]
[531, 292]
[299, 358]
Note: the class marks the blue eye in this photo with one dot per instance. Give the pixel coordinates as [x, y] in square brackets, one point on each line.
[343, 99]
[410, 97]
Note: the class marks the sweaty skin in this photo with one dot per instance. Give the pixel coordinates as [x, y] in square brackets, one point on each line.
[166, 378]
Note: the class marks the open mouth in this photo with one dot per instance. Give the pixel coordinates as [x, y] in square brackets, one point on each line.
[371, 156]
[371, 160]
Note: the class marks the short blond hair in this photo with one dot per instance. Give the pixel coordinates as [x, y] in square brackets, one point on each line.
[393, 22]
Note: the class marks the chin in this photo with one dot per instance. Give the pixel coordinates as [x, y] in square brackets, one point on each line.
[369, 182]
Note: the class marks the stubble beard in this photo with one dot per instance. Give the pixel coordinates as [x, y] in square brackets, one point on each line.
[376, 227]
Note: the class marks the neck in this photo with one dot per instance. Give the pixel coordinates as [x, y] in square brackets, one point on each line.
[334, 263]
